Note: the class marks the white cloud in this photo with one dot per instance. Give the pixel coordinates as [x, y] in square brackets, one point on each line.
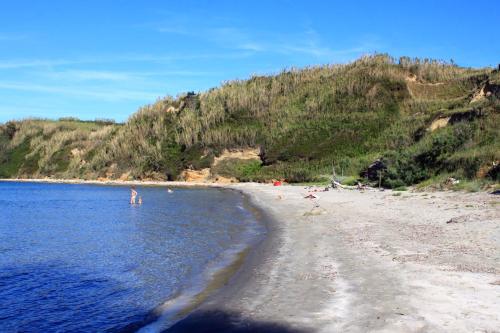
[149, 78]
[87, 75]
[115, 59]
[307, 42]
[100, 94]
[22, 63]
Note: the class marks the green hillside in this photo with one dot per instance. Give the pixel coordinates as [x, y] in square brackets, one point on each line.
[423, 119]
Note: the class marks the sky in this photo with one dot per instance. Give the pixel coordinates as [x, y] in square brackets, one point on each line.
[104, 59]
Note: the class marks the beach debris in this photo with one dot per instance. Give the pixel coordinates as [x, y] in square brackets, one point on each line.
[336, 184]
[454, 220]
[496, 192]
[311, 196]
[315, 189]
[452, 181]
[461, 219]
[277, 183]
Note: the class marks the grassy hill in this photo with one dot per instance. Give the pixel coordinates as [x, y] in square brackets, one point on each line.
[425, 120]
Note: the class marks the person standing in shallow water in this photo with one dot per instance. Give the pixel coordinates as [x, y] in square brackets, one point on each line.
[133, 194]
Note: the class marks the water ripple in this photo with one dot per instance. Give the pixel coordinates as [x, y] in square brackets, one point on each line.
[79, 258]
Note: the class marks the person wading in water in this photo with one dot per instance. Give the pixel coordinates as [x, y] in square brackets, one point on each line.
[133, 194]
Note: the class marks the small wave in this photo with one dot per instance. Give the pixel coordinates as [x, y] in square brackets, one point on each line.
[114, 263]
[215, 275]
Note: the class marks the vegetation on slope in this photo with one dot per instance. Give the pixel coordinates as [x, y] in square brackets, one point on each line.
[304, 121]
[37, 148]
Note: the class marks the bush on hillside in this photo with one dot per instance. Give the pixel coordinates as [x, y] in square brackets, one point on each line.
[306, 121]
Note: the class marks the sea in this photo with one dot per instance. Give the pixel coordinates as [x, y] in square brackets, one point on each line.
[81, 258]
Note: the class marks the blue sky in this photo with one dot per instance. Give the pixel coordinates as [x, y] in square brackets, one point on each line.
[104, 59]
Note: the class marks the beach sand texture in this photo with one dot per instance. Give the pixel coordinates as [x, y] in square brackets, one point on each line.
[364, 262]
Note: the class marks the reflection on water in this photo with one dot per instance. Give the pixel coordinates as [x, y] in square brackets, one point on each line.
[80, 258]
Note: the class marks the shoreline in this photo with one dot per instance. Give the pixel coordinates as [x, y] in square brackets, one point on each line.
[114, 182]
[364, 262]
[359, 262]
[215, 278]
[232, 262]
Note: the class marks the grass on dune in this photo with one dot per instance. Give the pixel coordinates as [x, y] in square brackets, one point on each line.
[303, 120]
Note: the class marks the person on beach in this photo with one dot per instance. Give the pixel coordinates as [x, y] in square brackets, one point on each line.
[133, 194]
[140, 200]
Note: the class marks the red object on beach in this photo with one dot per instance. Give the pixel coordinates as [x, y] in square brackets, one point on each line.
[277, 183]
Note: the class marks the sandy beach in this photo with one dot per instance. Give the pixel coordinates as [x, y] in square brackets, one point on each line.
[370, 261]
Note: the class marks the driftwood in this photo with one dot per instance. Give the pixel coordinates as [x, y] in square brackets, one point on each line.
[336, 184]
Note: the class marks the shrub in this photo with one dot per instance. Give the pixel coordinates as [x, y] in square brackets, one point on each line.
[13, 159]
[350, 181]
[243, 170]
[73, 119]
[105, 121]
[430, 157]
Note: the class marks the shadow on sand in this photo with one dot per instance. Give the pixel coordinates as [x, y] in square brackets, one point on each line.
[217, 321]
[50, 297]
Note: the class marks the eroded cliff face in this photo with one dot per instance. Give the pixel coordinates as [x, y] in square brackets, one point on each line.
[239, 154]
[228, 155]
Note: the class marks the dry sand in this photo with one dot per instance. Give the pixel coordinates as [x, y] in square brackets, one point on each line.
[364, 262]
[368, 261]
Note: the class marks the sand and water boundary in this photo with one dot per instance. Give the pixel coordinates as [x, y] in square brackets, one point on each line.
[354, 261]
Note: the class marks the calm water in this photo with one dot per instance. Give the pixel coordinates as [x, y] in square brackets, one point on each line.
[79, 258]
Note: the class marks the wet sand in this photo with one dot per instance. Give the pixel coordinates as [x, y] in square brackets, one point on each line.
[368, 261]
